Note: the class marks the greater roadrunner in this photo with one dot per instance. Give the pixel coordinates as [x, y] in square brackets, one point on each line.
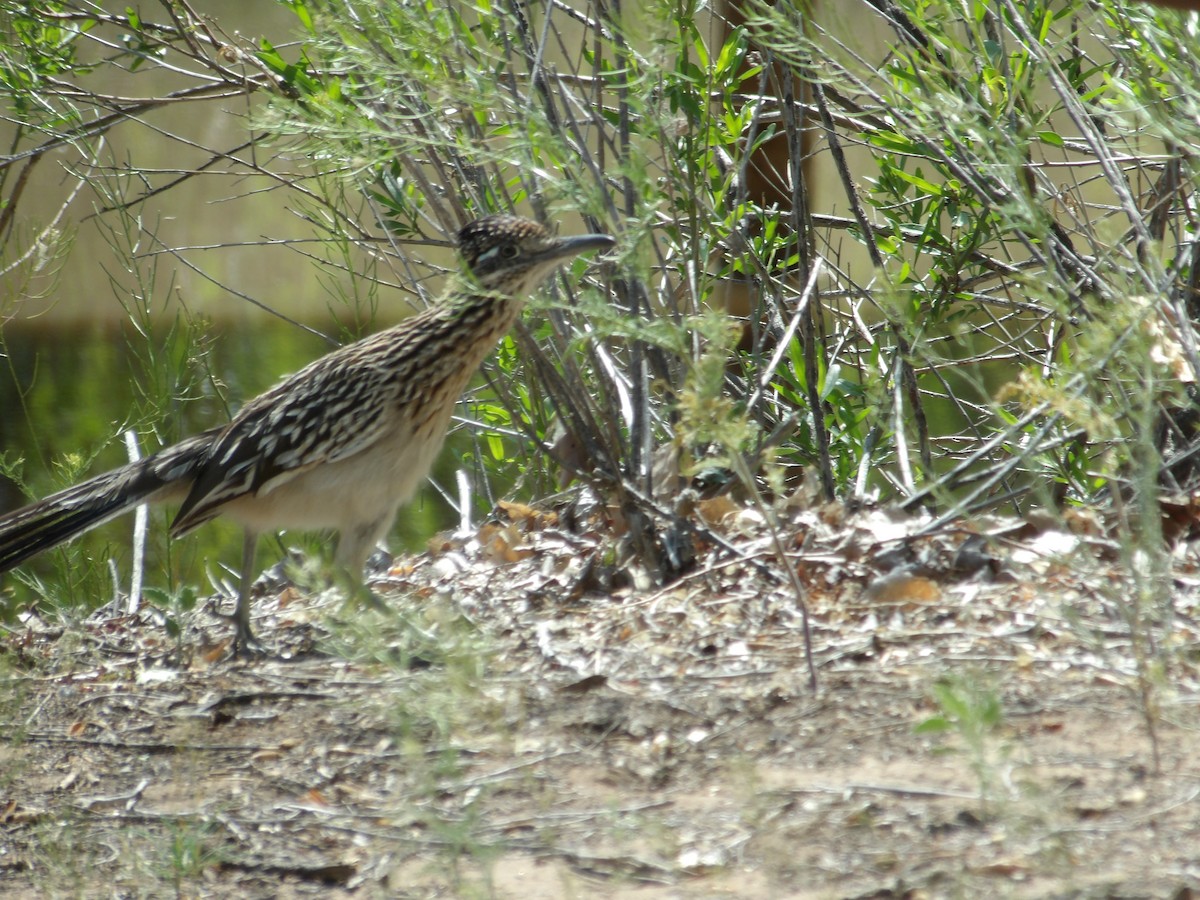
[342, 443]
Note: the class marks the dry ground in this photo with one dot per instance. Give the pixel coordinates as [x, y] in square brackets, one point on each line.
[535, 721]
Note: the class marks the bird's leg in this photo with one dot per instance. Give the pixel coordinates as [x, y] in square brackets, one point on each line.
[359, 592]
[244, 641]
[355, 545]
[351, 577]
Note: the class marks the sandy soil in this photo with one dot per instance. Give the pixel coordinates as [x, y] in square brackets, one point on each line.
[536, 719]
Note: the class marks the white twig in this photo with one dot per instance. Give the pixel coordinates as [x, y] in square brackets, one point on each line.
[140, 519]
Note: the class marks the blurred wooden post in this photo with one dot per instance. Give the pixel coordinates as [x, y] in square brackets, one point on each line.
[767, 182]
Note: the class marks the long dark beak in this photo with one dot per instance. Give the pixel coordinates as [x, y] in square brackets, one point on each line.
[567, 247]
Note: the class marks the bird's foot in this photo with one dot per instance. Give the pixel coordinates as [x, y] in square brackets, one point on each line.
[356, 592]
[371, 600]
[245, 645]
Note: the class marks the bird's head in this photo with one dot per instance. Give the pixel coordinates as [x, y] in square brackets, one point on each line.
[511, 255]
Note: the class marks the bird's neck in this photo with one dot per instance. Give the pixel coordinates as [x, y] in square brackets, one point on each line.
[478, 320]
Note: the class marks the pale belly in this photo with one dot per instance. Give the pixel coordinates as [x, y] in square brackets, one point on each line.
[351, 493]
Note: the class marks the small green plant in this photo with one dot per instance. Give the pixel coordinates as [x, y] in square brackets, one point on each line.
[63, 855]
[175, 604]
[971, 710]
[14, 720]
[190, 851]
[171, 859]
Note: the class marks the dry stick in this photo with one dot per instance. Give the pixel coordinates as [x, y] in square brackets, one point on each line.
[14, 197]
[1036, 442]
[1001, 472]
[1073, 106]
[464, 501]
[781, 347]
[860, 216]
[768, 514]
[140, 520]
[907, 380]
[620, 408]
[253, 302]
[212, 161]
[638, 464]
[802, 228]
[51, 226]
[1130, 609]
[134, 110]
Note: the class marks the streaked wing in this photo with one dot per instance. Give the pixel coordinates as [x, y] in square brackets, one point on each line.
[331, 410]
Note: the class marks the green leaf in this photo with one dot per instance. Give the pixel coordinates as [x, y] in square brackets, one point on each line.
[294, 74]
[270, 57]
[933, 725]
[917, 181]
[300, 8]
[896, 143]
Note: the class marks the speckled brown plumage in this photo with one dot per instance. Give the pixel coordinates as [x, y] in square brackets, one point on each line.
[342, 443]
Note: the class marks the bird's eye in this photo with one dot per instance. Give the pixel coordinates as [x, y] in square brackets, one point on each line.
[509, 251]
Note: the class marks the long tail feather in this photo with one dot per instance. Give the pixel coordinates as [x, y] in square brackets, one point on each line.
[166, 475]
